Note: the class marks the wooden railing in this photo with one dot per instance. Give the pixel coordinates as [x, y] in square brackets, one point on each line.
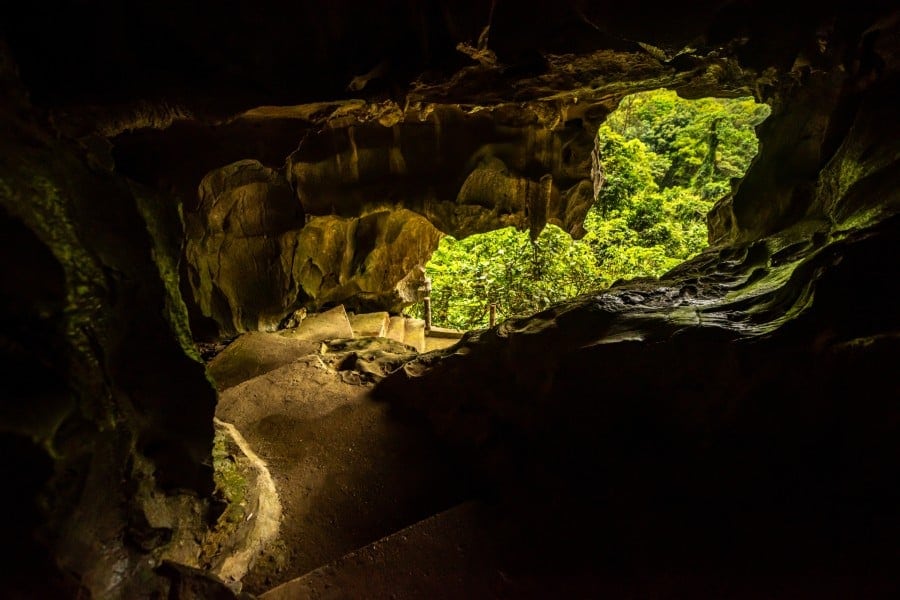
[426, 305]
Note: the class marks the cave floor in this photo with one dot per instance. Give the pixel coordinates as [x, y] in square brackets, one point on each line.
[347, 470]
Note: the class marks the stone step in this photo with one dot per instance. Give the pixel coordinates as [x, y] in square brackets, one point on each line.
[437, 343]
[448, 555]
[374, 324]
[329, 325]
[254, 354]
[415, 334]
[397, 329]
[443, 332]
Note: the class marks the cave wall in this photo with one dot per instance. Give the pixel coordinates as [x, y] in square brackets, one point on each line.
[92, 318]
[830, 132]
[467, 172]
[254, 255]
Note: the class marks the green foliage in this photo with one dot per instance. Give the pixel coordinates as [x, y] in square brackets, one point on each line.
[678, 132]
[505, 268]
[665, 162]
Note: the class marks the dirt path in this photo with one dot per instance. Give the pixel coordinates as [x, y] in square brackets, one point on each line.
[346, 470]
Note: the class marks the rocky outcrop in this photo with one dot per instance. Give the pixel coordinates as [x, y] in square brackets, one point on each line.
[746, 402]
[254, 258]
[467, 171]
[107, 469]
[235, 245]
[370, 262]
[823, 158]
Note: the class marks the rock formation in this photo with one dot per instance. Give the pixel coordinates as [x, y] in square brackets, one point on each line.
[253, 257]
[176, 173]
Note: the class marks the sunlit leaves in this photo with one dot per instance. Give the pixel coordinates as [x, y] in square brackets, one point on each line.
[503, 267]
[665, 162]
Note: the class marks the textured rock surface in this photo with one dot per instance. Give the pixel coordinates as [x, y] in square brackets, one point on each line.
[253, 257]
[737, 418]
[255, 353]
[467, 171]
[235, 247]
[746, 403]
[97, 437]
[374, 261]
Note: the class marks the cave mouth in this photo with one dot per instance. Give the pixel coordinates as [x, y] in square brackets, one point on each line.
[662, 162]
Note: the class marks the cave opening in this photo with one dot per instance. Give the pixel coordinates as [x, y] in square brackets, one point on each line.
[661, 162]
[730, 429]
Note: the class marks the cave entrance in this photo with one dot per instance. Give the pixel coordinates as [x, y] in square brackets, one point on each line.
[664, 162]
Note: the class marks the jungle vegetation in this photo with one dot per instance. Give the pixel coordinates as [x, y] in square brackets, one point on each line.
[665, 161]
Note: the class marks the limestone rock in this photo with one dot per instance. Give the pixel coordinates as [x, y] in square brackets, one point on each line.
[106, 413]
[370, 324]
[366, 360]
[464, 171]
[234, 247]
[317, 327]
[253, 257]
[293, 320]
[779, 356]
[371, 262]
[255, 353]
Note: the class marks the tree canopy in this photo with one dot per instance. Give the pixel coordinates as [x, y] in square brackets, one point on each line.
[665, 161]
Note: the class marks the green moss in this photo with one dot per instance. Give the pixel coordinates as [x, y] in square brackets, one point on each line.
[32, 195]
[231, 484]
[165, 226]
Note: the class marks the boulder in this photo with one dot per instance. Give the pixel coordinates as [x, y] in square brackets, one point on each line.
[235, 245]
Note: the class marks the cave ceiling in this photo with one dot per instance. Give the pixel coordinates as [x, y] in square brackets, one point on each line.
[453, 110]
[460, 118]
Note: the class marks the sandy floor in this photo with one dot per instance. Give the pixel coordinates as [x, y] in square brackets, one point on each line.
[347, 471]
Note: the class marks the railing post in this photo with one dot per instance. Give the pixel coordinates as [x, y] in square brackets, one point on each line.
[493, 314]
[427, 303]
